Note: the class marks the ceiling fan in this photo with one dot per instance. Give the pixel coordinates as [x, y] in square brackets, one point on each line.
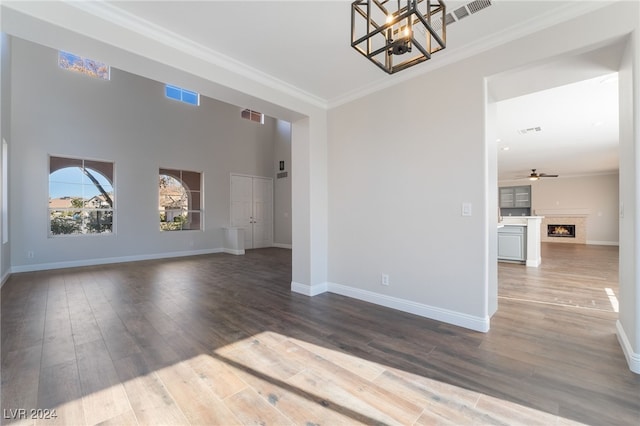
[535, 175]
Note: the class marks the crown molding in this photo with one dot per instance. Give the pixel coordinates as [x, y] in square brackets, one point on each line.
[118, 17]
[130, 22]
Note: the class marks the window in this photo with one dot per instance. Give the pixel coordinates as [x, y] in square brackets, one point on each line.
[81, 197]
[71, 62]
[5, 192]
[182, 95]
[258, 117]
[180, 198]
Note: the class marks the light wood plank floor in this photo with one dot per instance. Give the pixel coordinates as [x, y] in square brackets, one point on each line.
[220, 339]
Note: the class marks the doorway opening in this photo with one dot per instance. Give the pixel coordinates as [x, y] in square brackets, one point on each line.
[576, 276]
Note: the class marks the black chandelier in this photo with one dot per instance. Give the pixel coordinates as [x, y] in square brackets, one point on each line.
[397, 34]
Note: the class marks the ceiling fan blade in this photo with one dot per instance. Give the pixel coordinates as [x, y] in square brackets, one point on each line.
[546, 175]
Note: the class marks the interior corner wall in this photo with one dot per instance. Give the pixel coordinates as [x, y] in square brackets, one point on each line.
[309, 204]
[403, 160]
[491, 154]
[129, 121]
[5, 132]
[628, 325]
[282, 185]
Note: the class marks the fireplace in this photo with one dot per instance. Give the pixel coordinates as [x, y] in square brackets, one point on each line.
[561, 231]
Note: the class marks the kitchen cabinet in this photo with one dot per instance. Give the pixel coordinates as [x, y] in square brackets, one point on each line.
[512, 243]
[515, 196]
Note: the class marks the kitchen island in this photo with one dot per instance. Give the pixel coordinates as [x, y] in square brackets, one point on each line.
[519, 240]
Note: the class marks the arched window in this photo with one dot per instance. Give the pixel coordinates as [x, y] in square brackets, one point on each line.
[81, 196]
[179, 198]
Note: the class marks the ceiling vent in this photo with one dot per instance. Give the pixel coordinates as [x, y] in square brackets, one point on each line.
[466, 10]
[478, 5]
[461, 12]
[530, 130]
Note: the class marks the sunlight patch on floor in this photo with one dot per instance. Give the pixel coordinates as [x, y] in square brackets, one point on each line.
[271, 378]
[613, 299]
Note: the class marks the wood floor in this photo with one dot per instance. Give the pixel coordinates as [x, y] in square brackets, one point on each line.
[220, 339]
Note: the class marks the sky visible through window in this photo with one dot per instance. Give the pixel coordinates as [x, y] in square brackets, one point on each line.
[182, 95]
[71, 182]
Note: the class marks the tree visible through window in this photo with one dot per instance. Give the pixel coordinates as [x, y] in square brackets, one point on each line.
[71, 62]
[179, 200]
[81, 196]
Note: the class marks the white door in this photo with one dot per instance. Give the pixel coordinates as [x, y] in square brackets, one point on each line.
[242, 206]
[262, 212]
[252, 209]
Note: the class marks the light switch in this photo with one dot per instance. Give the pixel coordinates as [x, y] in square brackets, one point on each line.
[466, 209]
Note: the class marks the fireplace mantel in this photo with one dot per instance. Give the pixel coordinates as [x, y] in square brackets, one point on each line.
[576, 219]
[563, 212]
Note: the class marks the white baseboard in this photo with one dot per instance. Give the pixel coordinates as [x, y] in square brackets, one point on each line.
[603, 243]
[308, 290]
[431, 312]
[107, 260]
[284, 246]
[237, 252]
[5, 277]
[533, 263]
[633, 358]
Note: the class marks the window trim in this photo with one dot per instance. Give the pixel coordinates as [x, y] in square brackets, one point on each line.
[84, 208]
[5, 191]
[162, 171]
[251, 115]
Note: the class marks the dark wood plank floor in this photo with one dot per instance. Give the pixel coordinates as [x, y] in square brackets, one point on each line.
[220, 339]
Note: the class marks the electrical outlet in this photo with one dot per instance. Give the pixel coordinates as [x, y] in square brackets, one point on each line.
[385, 279]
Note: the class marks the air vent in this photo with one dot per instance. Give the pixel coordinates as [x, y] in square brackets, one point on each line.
[466, 10]
[530, 130]
[448, 18]
[461, 12]
[478, 5]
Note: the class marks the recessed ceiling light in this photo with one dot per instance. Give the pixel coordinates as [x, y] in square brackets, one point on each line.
[505, 148]
[598, 123]
[498, 140]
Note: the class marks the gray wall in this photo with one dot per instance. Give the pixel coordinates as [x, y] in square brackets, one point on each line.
[282, 186]
[129, 121]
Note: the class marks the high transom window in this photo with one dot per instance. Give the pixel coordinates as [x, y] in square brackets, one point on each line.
[71, 62]
[251, 115]
[182, 95]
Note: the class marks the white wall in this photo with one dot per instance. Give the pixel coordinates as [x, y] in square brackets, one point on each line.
[282, 186]
[399, 170]
[129, 121]
[628, 325]
[597, 195]
[403, 160]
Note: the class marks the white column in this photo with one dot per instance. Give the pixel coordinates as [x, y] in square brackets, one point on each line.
[309, 204]
[534, 257]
